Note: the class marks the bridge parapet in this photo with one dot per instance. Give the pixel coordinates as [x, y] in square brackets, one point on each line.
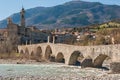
[112, 51]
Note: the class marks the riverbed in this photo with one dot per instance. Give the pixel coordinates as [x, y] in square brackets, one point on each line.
[53, 71]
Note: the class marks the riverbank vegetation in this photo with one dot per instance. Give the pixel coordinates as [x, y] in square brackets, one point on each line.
[99, 34]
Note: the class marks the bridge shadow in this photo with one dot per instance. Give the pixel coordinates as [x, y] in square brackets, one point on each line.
[60, 58]
[103, 68]
[77, 63]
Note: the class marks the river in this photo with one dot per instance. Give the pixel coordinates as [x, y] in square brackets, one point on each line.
[47, 71]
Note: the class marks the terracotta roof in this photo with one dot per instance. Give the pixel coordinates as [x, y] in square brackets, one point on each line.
[3, 30]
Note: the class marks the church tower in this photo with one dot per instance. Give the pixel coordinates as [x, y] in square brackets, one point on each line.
[22, 22]
[22, 13]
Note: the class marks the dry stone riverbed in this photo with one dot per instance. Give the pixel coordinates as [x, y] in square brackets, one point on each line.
[53, 71]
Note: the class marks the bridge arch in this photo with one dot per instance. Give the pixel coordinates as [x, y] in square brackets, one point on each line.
[87, 62]
[38, 54]
[74, 58]
[32, 55]
[26, 53]
[60, 58]
[21, 52]
[98, 61]
[48, 52]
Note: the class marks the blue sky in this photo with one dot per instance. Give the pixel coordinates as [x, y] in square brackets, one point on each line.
[8, 7]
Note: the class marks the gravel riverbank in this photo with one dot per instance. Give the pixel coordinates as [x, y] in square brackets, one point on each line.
[103, 77]
[31, 70]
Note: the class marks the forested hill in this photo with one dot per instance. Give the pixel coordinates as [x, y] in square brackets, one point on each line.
[70, 14]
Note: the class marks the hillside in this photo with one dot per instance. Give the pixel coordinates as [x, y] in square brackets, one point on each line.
[70, 14]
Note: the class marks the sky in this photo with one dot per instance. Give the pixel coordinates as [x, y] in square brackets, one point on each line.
[8, 7]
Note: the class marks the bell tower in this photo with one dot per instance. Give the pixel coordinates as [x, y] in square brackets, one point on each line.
[22, 22]
[22, 13]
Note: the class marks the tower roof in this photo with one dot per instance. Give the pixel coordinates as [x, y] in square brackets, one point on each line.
[22, 10]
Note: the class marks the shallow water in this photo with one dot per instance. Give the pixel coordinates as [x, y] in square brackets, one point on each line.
[45, 70]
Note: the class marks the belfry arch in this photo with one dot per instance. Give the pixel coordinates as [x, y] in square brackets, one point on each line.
[48, 53]
[60, 58]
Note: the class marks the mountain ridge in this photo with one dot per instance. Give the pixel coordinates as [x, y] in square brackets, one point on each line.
[70, 14]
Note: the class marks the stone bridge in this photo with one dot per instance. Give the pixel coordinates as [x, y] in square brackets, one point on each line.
[71, 54]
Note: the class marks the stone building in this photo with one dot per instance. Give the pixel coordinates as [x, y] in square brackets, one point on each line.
[22, 34]
[3, 35]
